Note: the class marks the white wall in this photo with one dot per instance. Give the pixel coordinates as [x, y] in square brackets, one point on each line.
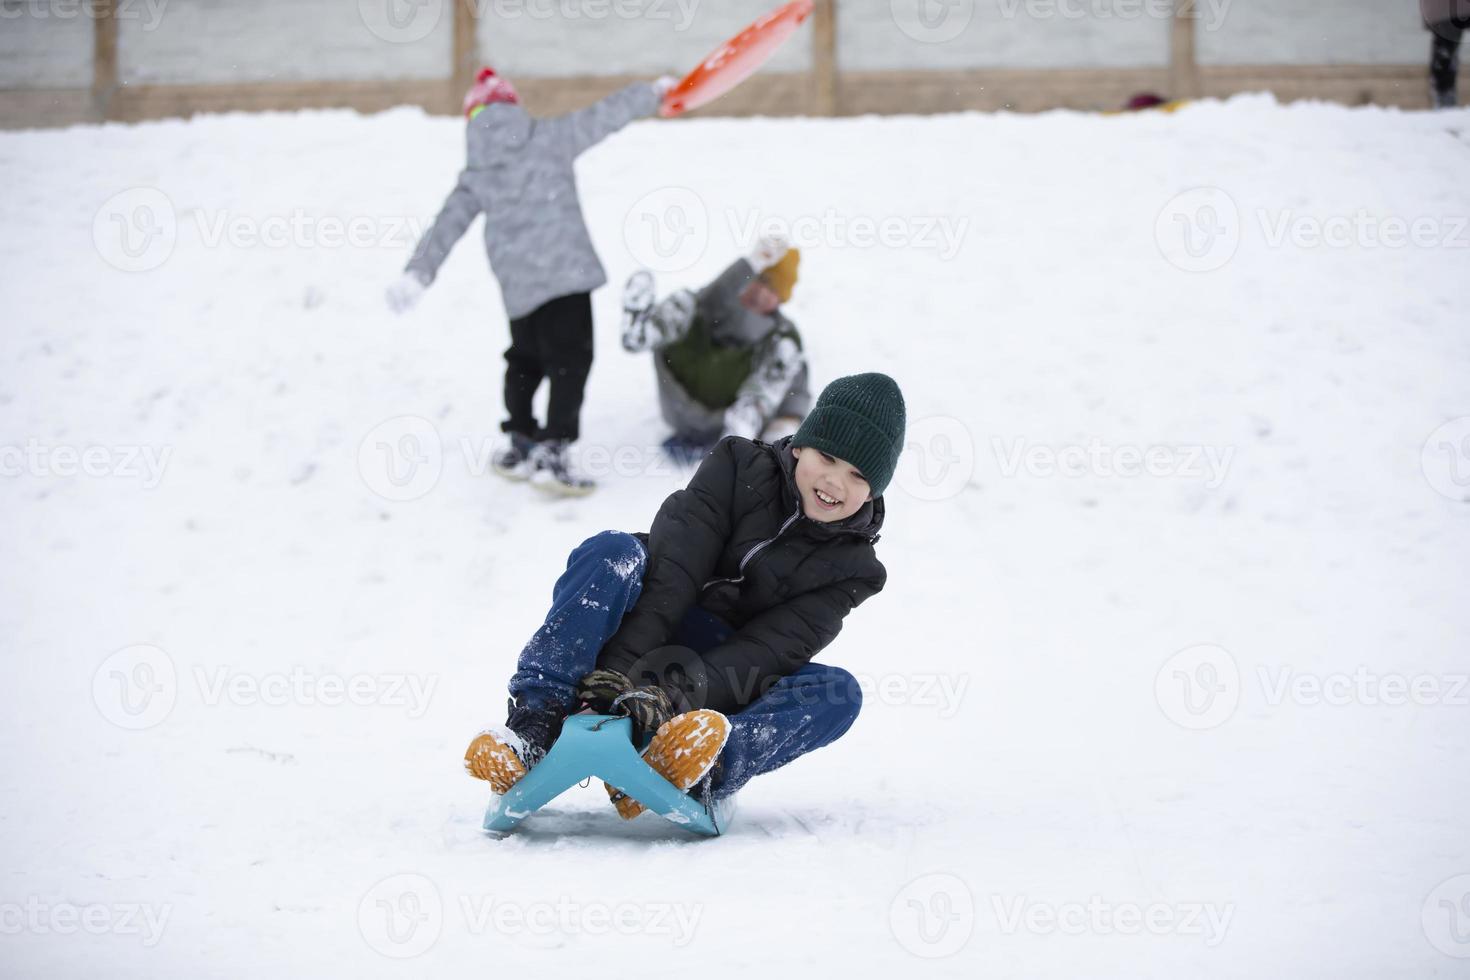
[219, 41]
[554, 38]
[49, 46]
[876, 35]
[205, 41]
[1313, 32]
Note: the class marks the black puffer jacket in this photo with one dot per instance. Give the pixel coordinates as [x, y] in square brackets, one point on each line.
[736, 543]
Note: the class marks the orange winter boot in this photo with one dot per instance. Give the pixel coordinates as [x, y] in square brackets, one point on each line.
[500, 757]
[682, 751]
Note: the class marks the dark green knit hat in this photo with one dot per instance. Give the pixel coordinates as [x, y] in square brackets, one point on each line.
[859, 418]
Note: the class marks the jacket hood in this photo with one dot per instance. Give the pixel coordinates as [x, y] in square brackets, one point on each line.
[496, 132]
[868, 520]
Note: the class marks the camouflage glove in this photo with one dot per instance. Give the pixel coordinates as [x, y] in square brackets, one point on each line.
[599, 689]
[648, 706]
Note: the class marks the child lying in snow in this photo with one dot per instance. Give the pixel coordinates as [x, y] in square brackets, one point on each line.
[703, 629]
[727, 359]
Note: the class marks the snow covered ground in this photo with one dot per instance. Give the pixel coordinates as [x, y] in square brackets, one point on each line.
[1169, 678]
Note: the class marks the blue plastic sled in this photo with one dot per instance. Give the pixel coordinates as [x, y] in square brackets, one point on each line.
[602, 746]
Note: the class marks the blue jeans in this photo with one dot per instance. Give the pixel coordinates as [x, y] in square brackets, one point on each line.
[799, 713]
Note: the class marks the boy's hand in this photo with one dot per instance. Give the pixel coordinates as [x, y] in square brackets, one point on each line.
[598, 689]
[649, 707]
[768, 251]
[610, 692]
[404, 293]
[664, 84]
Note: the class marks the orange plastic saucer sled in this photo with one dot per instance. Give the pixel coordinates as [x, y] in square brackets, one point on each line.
[735, 60]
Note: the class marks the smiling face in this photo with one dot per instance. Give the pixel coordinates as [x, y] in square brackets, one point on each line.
[822, 479]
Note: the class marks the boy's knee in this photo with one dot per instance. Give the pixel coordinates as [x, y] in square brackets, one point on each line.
[835, 690]
[848, 694]
[622, 552]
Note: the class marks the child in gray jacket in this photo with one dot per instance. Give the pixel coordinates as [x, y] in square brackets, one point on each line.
[519, 173]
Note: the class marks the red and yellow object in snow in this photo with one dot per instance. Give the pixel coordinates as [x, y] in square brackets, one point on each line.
[735, 60]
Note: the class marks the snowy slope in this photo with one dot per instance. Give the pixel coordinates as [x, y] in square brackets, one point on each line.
[242, 667]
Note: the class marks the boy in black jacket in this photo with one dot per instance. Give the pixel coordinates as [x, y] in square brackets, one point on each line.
[703, 629]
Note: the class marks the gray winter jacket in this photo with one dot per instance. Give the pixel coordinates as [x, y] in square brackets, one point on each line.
[730, 323]
[518, 171]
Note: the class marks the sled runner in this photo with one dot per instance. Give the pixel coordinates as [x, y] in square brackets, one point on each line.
[602, 746]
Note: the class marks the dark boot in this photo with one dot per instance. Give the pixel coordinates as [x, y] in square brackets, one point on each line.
[513, 461]
[552, 472]
[537, 726]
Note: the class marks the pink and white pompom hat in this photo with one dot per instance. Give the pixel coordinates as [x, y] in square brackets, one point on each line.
[488, 89]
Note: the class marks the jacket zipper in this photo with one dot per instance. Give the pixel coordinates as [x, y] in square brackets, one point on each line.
[755, 551]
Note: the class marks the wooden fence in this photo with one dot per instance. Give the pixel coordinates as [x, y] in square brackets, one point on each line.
[826, 89]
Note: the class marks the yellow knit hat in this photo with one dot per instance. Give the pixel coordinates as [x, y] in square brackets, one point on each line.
[781, 277]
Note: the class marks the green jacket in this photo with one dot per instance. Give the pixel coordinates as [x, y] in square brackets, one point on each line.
[723, 341]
